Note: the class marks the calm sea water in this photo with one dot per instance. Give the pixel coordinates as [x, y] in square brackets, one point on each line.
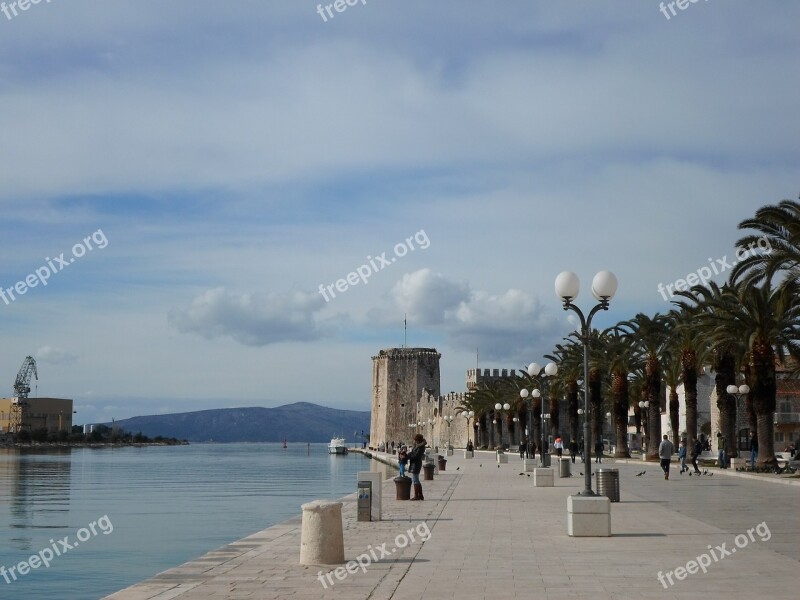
[166, 505]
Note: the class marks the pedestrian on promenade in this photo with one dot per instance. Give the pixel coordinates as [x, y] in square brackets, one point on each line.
[753, 449]
[598, 451]
[522, 449]
[470, 447]
[722, 447]
[682, 456]
[559, 446]
[415, 465]
[573, 450]
[402, 459]
[665, 450]
[697, 448]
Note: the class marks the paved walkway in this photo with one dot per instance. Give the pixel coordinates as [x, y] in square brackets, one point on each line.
[493, 535]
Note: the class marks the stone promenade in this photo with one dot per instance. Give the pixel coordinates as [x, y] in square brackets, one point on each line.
[494, 536]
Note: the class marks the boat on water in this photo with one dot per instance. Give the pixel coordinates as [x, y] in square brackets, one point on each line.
[337, 446]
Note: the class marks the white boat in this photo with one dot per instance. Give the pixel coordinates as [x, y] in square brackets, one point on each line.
[337, 446]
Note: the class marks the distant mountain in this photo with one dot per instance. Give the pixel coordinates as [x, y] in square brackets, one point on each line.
[298, 422]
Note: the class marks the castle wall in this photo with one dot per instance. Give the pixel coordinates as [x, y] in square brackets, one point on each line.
[399, 377]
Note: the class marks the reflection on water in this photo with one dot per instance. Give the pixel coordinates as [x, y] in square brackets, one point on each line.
[35, 486]
[167, 505]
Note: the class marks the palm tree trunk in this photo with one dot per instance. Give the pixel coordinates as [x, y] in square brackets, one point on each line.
[619, 390]
[555, 416]
[537, 423]
[726, 375]
[674, 416]
[689, 376]
[572, 410]
[763, 393]
[596, 402]
[653, 385]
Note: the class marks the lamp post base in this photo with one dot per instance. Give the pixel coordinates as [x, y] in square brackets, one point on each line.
[588, 516]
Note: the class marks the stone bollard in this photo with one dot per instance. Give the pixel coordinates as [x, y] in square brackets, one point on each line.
[543, 477]
[321, 537]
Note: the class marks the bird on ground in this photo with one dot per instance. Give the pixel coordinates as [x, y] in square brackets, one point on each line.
[705, 472]
[690, 474]
[640, 474]
[498, 466]
[529, 474]
[457, 468]
[710, 474]
[581, 473]
[522, 473]
[480, 465]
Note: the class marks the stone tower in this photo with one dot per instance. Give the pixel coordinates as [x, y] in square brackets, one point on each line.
[399, 376]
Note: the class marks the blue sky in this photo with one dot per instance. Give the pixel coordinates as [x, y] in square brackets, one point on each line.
[238, 155]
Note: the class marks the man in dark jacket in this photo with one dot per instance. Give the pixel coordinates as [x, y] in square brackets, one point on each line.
[415, 465]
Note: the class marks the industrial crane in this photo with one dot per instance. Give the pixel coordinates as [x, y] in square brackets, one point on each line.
[22, 387]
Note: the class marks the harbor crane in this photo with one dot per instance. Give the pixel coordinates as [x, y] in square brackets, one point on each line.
[22, 387]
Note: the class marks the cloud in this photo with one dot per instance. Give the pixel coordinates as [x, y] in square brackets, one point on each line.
[512, 324]
[56, 356]
[251, 319]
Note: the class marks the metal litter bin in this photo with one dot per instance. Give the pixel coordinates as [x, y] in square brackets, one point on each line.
[403, 488]
[563, 467]
[364, 496]
[608, 483]
[428, 472]
[442, 463]
[545, 460]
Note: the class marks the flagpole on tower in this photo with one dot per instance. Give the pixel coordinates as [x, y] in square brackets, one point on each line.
[405, 329]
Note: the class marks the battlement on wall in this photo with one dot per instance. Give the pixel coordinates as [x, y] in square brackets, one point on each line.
[475, 376]
[407, 353]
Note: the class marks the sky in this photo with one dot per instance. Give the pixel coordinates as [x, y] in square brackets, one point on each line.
[186, 183]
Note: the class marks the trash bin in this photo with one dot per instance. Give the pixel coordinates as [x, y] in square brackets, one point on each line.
[428, 469]
[364, 500]
[442, 463]
[403, 486]
[608, 483]
[545, 460]
[563, 467]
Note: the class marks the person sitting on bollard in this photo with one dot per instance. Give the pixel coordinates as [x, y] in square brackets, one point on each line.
[402, 459]
[415, 465]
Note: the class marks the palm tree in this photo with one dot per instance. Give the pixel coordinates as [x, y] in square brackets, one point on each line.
[779, 234]
[689, 342]
[650, 335]
[767, 320]
[569, 358]
[621, 359]
[726, 353]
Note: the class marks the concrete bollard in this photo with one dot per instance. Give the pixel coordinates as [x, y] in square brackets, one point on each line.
[321, 537]
[543, 477]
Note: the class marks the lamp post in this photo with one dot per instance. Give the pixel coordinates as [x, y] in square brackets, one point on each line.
[502, 408]
[468, 414]
[604, 286]
[449, 420]
[644, 405]
[535, 370]
[738, 393]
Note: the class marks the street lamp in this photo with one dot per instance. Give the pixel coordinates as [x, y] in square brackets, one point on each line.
[468, 414]
[604, 286]
[449, 420]
[502, 408]
[534, 370]
[738, 393]
[644, 405]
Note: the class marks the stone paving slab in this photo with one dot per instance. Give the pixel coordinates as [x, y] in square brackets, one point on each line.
[495, 536]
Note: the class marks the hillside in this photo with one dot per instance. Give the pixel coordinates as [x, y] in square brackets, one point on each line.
[298, 422]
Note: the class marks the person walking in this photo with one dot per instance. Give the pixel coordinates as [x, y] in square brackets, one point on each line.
[415, 465]
[665, 450]
[722, 447]
[753, 449]
[697, 448]
[522, 449]
[682, 456]
[402, 459]
[598, 451]
[558, 444]
[573, 450]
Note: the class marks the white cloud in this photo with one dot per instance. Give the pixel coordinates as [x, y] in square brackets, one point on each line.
[251, 319]
[56, 356]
